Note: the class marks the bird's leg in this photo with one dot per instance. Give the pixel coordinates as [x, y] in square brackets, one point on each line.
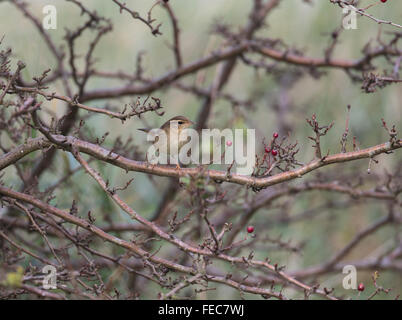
[152, 164]
[177, 164]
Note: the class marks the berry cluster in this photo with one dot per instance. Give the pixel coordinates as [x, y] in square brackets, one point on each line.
[278, 153]
[272, 151]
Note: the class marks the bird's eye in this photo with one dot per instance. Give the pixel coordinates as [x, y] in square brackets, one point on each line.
[181, 122]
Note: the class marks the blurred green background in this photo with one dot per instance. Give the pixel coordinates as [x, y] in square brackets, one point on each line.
[301, 25]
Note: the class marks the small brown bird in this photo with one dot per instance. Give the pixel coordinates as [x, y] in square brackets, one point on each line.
[172, 128]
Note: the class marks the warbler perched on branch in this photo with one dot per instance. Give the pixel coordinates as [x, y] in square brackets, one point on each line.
[171, 143]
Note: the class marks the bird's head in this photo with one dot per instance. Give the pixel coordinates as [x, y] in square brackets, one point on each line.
[180, 121]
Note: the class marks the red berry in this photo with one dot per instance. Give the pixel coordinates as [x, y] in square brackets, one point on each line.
[267, 150]
[274, 152]
[275, 135]
[383, 1]
[250, 229]
[229, 143]
[360, 287]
